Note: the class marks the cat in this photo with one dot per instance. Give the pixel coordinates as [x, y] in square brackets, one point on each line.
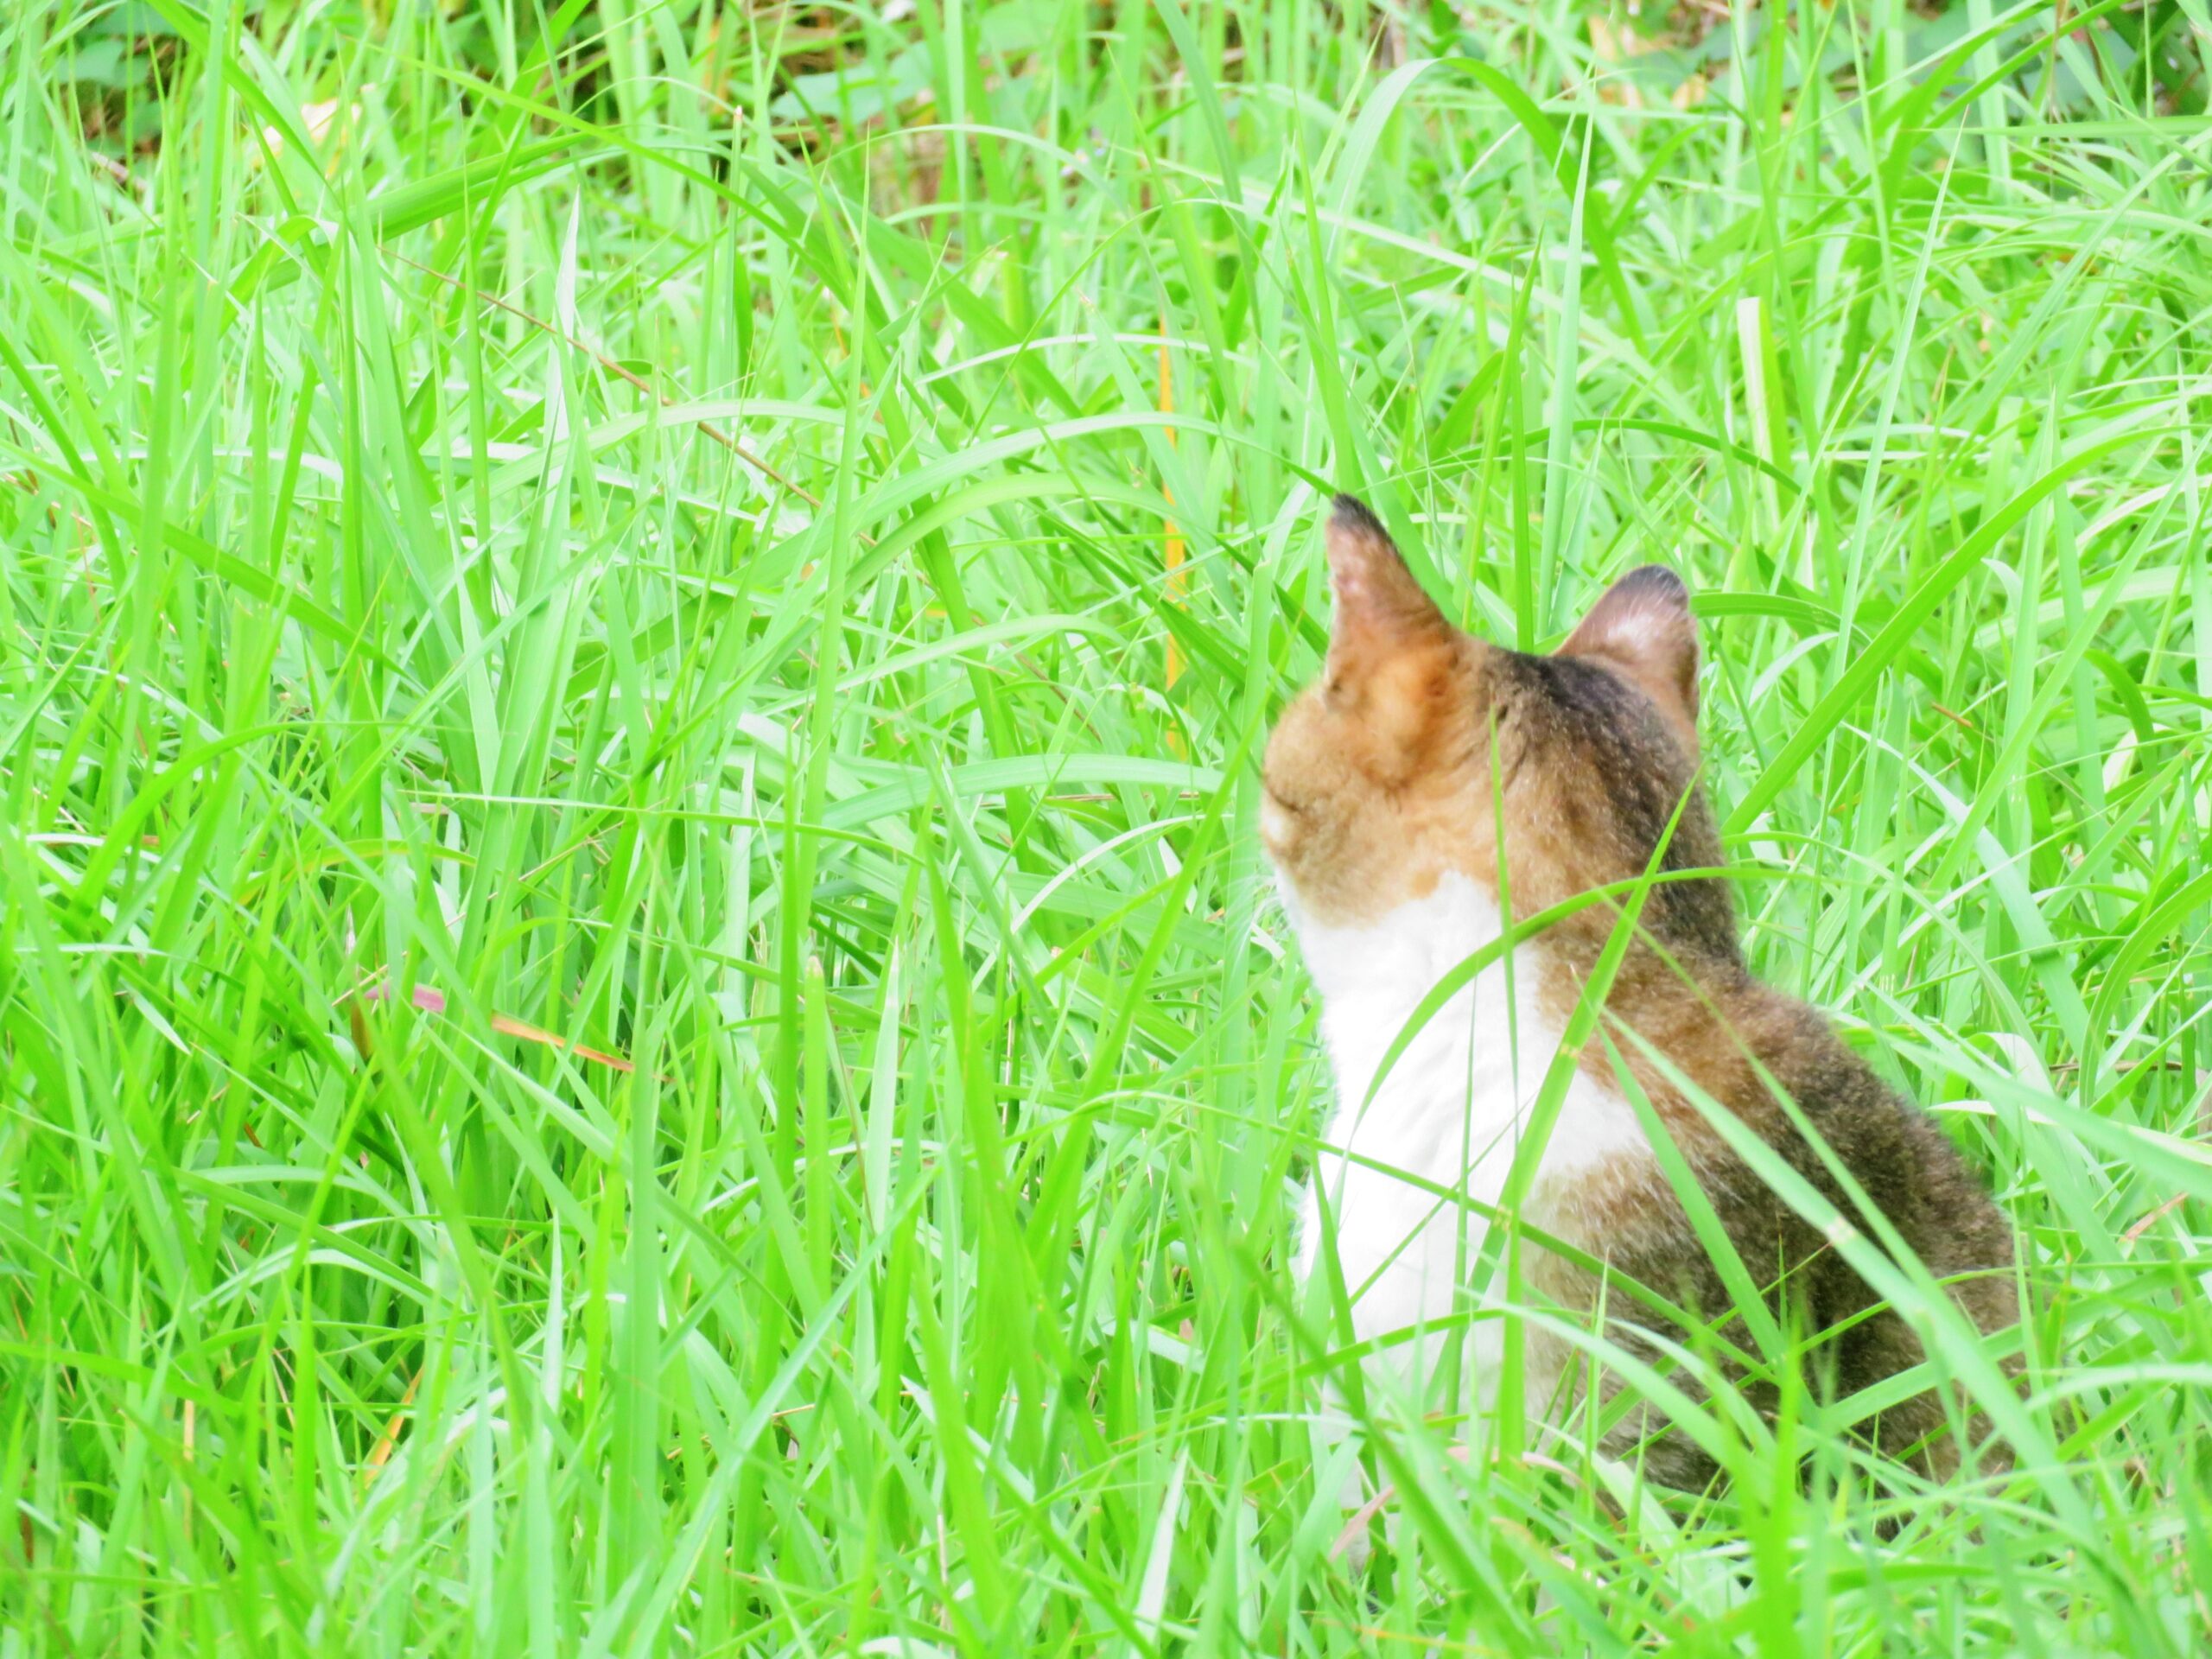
[1425, 780]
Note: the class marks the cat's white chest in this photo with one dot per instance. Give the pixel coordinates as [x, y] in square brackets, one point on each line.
[1447, 1118]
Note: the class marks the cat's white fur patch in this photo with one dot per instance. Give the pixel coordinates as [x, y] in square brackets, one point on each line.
[1449, 1114]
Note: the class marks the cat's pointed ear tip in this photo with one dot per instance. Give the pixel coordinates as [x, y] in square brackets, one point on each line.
[1644, 627]
[1363, 559]
[1349, 512]
[1376, 595]
[1655, 582]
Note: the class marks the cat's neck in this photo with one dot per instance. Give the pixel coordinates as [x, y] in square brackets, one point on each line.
[1376, 976]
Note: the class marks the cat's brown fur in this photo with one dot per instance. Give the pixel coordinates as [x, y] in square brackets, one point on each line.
[1379, 781]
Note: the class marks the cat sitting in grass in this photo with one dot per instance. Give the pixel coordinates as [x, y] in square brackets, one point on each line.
[1429, 785]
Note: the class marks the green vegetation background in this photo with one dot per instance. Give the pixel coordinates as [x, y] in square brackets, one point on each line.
[641, 1014]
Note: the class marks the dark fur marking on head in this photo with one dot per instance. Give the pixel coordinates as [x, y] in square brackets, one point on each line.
[1622, 751]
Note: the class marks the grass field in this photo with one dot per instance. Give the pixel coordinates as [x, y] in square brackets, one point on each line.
[641, 1012]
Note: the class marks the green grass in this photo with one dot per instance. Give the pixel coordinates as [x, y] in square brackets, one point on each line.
[667, 548]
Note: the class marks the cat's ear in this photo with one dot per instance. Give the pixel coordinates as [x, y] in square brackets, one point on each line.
[1379, 605]
[1643, 627]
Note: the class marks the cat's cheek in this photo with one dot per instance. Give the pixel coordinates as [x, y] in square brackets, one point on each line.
[1277, 829]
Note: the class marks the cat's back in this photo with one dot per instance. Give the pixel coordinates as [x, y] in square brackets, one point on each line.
[1894, 1153]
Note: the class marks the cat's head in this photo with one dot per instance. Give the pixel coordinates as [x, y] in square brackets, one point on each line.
[1385, 773]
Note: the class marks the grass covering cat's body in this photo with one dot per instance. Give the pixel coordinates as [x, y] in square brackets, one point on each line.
[1427, 786]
